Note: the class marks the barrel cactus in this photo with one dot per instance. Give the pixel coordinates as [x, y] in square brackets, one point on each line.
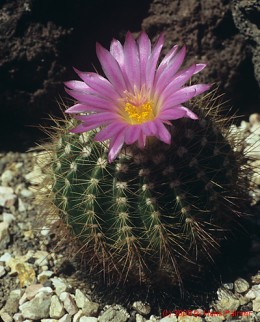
[148, 189]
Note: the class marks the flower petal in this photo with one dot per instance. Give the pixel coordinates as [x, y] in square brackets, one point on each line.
[77, 85]
[117, 52]
[109, 131]
[149, 128]
[162, 133]
[177, 112]
[141, 140]
[166, 60]
[81, 108]
[185, 94]
[152, 62]
[199, 67]
[111, 68]
[179, 80]
[115, 146]
[144, 47]
[98, 118]
[132, 62]
[99, 84]
[163, 78]
[132, 134]
[91, 100]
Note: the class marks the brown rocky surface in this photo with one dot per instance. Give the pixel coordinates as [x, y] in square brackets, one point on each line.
[208, 30]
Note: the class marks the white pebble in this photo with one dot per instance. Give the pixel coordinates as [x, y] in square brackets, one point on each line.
[2, 271]
[8, 218]
[7, 177]
[5, 257]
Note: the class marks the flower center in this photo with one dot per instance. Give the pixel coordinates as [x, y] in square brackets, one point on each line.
[139, 114]
[138, 107]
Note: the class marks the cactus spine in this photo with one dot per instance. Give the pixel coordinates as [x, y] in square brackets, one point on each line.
[155, 213]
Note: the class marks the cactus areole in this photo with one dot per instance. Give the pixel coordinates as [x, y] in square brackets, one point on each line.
[148, 187]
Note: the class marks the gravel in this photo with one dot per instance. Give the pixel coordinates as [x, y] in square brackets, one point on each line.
[37, 283]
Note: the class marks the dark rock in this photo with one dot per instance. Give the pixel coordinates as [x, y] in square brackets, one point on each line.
[210, 34]
[246, 15]
[40, 41]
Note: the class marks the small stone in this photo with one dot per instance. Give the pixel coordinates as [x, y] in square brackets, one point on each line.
[229, 286]
[37, 308]
[6, 317]
[8, 218]
[41, 258]
[32, 290]
[2, 271]
[169, 318]
[26, 193]
[255, 279]
[69, 303]
[49, 320]
[250, 295]
[189, 318]
[21, 205]
[25, 271]
[88, 319]
[12, 303]
[257, 317]
[7, 177]
[139, 318]
[5, 258]
[256, 178]
[56, 308]
[255, 129]
[46, 289]
[256, 304]
[59, 284]
[226, 301]
[44, 276]
[142, 308]
[45, 231]
[153, 318]
[77, 316]
[23, 299]
[18, 317]
[241, 285]
[252, 150]
[244, 126]
[254, 118]
[7, 197]
[65, 318]
[256, 290]
[4, 235]
[80, 298]
[114, 313]
[243, 300]
[210, 318]
[90, 308]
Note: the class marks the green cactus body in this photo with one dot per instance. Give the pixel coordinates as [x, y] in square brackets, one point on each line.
[152, 213]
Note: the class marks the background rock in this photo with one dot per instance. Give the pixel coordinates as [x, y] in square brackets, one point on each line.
[209, 32]
[40, 41]
[246, 15]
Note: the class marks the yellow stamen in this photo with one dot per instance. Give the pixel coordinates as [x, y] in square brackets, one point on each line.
[139, 114]
[138, 106]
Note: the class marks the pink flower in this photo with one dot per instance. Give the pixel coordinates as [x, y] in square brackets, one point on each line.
[138, 98]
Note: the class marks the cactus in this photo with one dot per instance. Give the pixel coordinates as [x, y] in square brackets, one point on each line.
[148, 188]
[154, 213]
